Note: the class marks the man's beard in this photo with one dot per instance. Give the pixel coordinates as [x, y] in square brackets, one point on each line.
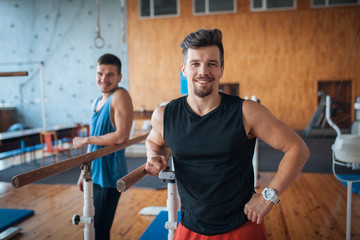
[202, 91]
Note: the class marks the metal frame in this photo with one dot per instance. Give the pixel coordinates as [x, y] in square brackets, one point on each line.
[88, 210]
[341, 163]
[349, 191]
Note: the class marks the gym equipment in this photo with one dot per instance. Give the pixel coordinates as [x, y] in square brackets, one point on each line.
[47, 171]
[156, 228]
[99, 41]
[345, 152]
[85, 161]
[317, 122]
[172, 201]
[13, 74]
[9, 233]
[355, 126]
[42, 83]
[88, 210]
[9, 217]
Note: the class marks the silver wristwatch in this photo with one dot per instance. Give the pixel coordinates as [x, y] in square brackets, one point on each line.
[270, 195]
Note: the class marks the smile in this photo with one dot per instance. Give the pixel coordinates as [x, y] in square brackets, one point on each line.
[203, 81]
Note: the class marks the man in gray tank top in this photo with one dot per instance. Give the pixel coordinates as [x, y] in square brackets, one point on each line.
[211, 137]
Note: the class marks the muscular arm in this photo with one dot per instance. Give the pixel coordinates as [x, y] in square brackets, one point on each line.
[122, 116]
[259, 122]
[157, 150]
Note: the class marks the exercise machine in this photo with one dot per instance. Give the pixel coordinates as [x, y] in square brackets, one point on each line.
[316, 125]
[346, 153]
[355, 126]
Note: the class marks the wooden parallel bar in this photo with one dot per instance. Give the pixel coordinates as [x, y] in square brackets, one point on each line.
[130, 179]
[14, 74]
[43, 172]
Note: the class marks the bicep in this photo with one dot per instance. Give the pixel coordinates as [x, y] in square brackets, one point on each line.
[123, 112]
[261, 123]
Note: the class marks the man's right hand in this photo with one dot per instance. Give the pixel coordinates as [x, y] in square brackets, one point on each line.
[79, 142]
[155, 164]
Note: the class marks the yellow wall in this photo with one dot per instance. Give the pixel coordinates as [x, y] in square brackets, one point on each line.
[279, 56]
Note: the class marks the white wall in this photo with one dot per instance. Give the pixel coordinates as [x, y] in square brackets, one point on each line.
[61, 34]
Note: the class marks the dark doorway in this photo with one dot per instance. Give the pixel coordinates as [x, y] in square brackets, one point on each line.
[229, 88]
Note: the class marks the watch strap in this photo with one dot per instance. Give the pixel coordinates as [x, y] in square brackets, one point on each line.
[276, 199]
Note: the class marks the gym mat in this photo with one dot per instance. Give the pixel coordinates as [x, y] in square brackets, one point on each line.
[9, 217]
[156, 229]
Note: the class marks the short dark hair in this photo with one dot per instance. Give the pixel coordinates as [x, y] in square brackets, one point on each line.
[203, 38]
[110, 59]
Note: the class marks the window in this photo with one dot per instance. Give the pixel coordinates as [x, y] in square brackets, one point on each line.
[158, 8]
[264, 5]
[327, 3]
[213, 6]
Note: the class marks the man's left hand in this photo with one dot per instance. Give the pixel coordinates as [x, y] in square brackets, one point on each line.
[257, 208]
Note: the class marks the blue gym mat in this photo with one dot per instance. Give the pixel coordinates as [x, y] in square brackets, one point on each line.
[156, 229]
[355, 185]
[9, 217]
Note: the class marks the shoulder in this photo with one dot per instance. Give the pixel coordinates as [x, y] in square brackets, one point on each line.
[253, 109]
[121, 96]
[158, 114]
[121, 101]
[157, 119]
[120, 93]
[257, 117]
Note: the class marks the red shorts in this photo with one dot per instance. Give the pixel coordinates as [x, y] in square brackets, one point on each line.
[246, 231]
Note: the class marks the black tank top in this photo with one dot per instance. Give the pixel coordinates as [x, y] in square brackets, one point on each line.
[213, 164]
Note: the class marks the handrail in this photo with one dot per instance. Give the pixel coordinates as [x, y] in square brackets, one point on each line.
[44, 172]
[130, 179]
[13, 74]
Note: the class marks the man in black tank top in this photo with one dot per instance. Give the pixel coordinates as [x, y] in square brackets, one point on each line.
[211, 137]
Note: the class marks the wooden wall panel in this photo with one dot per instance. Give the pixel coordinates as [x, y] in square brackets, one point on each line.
[276, 55]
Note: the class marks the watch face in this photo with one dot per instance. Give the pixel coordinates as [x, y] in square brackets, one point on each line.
[269, 194]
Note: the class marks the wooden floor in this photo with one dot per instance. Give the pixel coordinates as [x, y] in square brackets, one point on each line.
[314, 207]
